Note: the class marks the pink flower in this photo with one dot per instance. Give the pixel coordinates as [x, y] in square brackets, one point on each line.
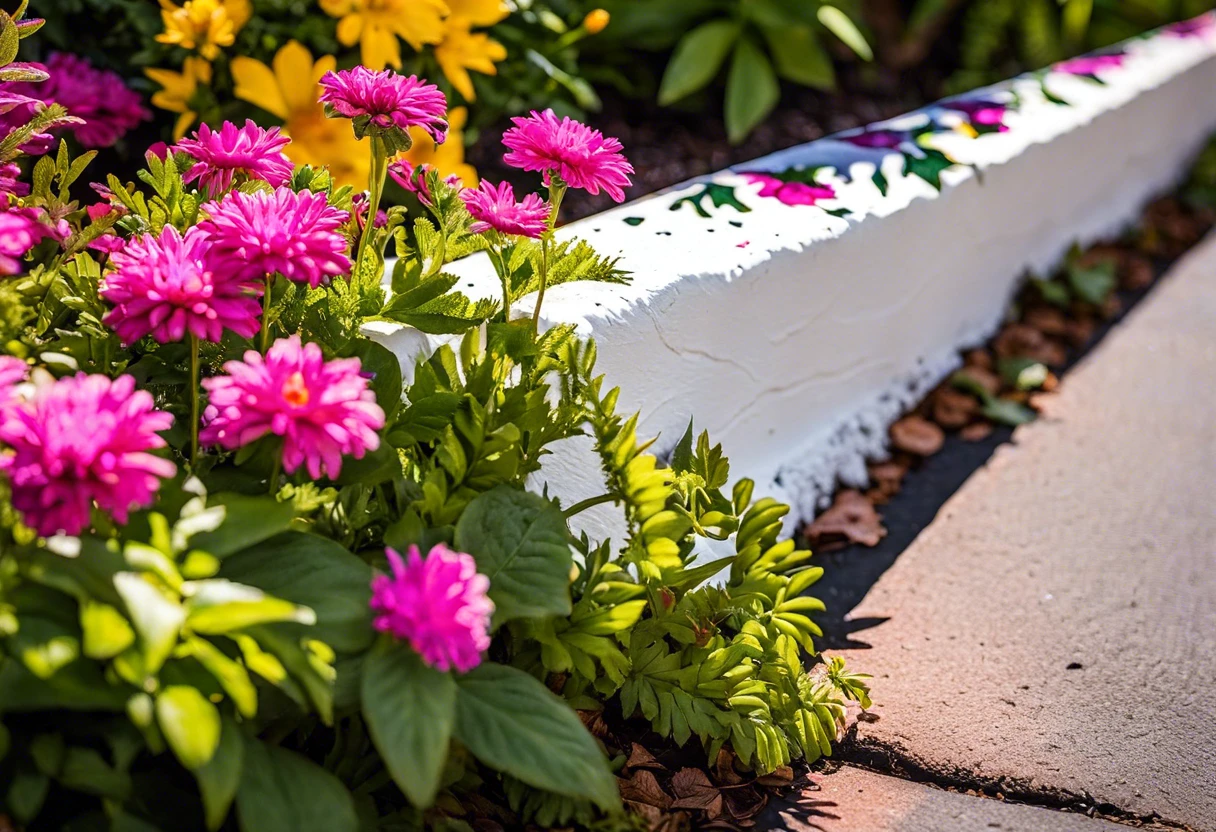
[385, 102]
[879, 139]
[496, 208]
[438, 604]
[581, 156]
[108, 244]
[322, 409]
[10, 182]
[249, 151]
[12, 372]
[981, 113]
[81, 441]
[1090, 64]
[20, 230]
[107, 108]
[1194, 28]
[165, 287]
[413, 179]
[294, 234]
[790, 193]
[359, 203]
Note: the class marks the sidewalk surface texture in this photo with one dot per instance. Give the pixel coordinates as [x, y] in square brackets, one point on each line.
[855, 800]
[1052, 634]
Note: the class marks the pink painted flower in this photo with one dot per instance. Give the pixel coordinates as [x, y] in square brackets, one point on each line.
[294, 234]
[1090, 64]
[166, 287]
[878, 139]
[790, 193]
[581, 156]
[107, 108]
[248, 152]
[20, 230]
[322, 409]
[986, 116]
[1196, 27]
[10, 181]
[79, 442]
[495, 207]
[438, 604]
[386, 103]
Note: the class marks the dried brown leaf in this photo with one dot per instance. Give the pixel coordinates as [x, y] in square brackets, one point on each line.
[744, 804]
[694, 791]
[980, 358]
[724, 768]
[953, 408]
[1046, 319]
[851, 518]
[639, 757]
[976, 432]
[917, 436]
[782, 777]
[643, 787]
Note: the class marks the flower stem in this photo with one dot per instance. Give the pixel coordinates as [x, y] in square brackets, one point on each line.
[500, 265]
[275, 471]
[194, 383]
[266, 313]
[557, 190]
[379, 171]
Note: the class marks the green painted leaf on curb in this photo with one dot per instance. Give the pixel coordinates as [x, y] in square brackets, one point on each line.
[220, 777]
[190, 723]
[752, 90]
[696, 59]
[282, 791]
[513, 723]
[519, 541]
[410, 711]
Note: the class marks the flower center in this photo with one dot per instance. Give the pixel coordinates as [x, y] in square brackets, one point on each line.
[295, 390]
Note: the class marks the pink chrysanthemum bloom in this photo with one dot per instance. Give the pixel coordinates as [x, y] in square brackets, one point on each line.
[10, 181]
[294, 234]
[12, 372]
[20, 230]
[107, 108]
[413, 178]
[251, 152]
[322, 409]
[581, 156]
[165, 287]
[495, 207]
[438, 604]
[359, 203]
[81, 441]
[385, 103]
[1090, 64]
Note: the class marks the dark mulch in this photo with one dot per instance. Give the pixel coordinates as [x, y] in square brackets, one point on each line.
[668, 146]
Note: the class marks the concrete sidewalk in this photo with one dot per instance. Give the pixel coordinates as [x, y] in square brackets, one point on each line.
[1052, 633]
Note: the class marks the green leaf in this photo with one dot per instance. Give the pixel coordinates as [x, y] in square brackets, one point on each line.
[231, 674]
[282, 791]
[217, 606]
[513, 723]
[317, 573]
[386, 373]
[1007, 412]
[190, 723]
[520, 542]
[220, 777]
[696, 59]
[247, 522]
[1093, 284]
[85, 770]
[842, 26]
[410, 711]
[106, 631]
[752, 90]
[799, 57]
[10, 39]
[26, 794]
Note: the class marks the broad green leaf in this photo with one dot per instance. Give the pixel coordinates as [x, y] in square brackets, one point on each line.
[520, 543]
[231, 674]
[85, 770]
[80, 686]
[410, 710]
[44, 645]
[157, 618]
[247, 522]
[190, 723]
[842, 26]
[1093, 284]
[106, 631]
[10, 38]
[513, 723]
[316, 573]
[282, 791]
[26, 794]
[220, 777]
[386, 373]
[216, 606]
[697, 58]
[799, 57]
[752, 90]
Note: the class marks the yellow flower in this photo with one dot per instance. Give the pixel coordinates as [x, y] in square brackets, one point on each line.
[463, 50]
[596, 21]
[177, 88]
[479, 12]
[203, 25]
[376, 24]
[447, 158]
[290, 91]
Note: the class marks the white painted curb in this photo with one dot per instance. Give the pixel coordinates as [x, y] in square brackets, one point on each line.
[796, 336]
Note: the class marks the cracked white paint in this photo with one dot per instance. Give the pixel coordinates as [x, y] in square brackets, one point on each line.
[796, 337]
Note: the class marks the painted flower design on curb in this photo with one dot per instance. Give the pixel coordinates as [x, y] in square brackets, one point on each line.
[878, 139]
[1091, 65]
[983, 116]
[787, 191]
[1197, 27]
[438, 604]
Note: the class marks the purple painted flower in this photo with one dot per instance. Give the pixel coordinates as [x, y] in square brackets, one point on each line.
[879, 139]
[495, 207]
[581, 156]
[83, 441]
[323, 410]
[1090, 64]
[984, 115]
[789, 193]
[438, 604]
[20, 230]
[249, 152]
[294, 234]
[385, 102]
[166, 287]
[1196, 27]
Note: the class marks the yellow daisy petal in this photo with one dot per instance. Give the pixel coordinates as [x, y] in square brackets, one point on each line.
[256, 83]
[293, 68]
[479, 12]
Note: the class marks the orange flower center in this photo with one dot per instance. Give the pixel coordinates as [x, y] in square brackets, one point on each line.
[295, 391]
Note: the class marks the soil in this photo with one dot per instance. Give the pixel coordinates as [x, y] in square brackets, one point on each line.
[667, 146]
